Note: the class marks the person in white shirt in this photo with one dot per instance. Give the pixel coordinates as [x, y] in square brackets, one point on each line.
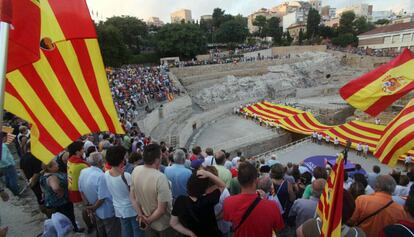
[402, 188]
[88, 142]
[209, 160]
[336, 142]
[327, 139]
[359, 149]
[366, 150]
[320, 138]
[314, 137]
[407, 162]
[236, 159]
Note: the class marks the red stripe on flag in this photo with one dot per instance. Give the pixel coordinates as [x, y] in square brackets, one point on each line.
[49, 102]
[393, 134]
[73, 18]
[307, 118]
[44, 136]
[67, 82]
[359, 135]
[357, 84]
[6, 11]
[90, 78]
[404, 112]
[270, 111]
[280, 108]
[288, 121]
[300, 122]
[257, 112]
[337, 134]
[378, 106]
[367, 129]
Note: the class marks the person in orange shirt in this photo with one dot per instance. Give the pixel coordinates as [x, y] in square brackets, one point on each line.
[377, 210]
[75, 165]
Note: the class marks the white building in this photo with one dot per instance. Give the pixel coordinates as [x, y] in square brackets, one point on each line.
[180, 15]
[378, 15]
[293, 18]
[364, 10]
[155, 21]
[391, 37]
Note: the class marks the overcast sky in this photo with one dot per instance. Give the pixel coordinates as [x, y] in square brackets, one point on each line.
[144, 9]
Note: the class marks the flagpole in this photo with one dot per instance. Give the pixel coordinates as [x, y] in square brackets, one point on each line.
[4, 40]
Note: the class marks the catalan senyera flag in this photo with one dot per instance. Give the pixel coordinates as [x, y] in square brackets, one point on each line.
[65, 93]
[398, 137]
[330, 204]
[378, 89]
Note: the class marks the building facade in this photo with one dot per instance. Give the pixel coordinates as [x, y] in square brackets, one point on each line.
[295, 29]
[268, 13]
[391, 38]
[364, 10]
[296, 17]
[180, 15]
[155, 21]
[206, 17]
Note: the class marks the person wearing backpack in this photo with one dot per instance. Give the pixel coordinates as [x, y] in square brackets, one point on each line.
[118, 183]
[250, 215]
[405, 227]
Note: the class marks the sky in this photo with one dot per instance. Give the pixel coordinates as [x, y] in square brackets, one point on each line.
[144, 9]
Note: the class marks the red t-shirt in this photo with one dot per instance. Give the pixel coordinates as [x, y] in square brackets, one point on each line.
[262, 221]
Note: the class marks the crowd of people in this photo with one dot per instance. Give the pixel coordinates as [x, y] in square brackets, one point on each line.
[131, 185]
[364, 51]
[135, 86]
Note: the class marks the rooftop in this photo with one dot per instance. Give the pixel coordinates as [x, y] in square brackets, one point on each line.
[390, 28]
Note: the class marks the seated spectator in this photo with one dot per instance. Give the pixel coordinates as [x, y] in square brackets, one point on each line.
[377, 210]
[361, 179]
[178, 175]
[194, 215]
[264, 217]
[318, 173]
[356, 189]
[134, 159]
[312, 227]
[304, 209]
[372, 176]
[402, 188]
[404, 227]
[223, 172]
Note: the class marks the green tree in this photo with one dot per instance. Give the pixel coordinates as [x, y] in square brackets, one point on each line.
[133, 31]
[207, 27]
[361, 25]
[327, 32]
[274, 30]
[382, 22]
[183, 40]
[346, 22]
[114, 51]
[219, 17]
[233, 31]
[345, 40]
[287, 39]
[314, 19]
[301, 37]
[260, 22]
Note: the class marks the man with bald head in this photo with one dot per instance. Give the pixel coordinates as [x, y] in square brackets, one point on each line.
[223, 173]
[304, 209]
[374, 211]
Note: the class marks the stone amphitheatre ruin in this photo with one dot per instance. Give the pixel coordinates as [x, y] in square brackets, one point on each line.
[308, 77]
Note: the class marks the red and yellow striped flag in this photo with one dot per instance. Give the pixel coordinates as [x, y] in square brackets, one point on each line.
[398, 137]
[378, 89]
[330, 204]
[65, 94]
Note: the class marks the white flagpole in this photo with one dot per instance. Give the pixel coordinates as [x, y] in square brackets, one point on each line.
[4, 40]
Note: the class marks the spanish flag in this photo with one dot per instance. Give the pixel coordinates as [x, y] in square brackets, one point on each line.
[65, 93]
[330, 204]
[398, 137]
[378, 89]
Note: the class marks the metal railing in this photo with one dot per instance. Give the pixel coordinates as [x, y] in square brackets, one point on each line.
[286, 147]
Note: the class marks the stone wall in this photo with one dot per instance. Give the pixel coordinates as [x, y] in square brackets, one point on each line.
[263, 53]
[361, 61]
[259, 147]
[297, 49]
